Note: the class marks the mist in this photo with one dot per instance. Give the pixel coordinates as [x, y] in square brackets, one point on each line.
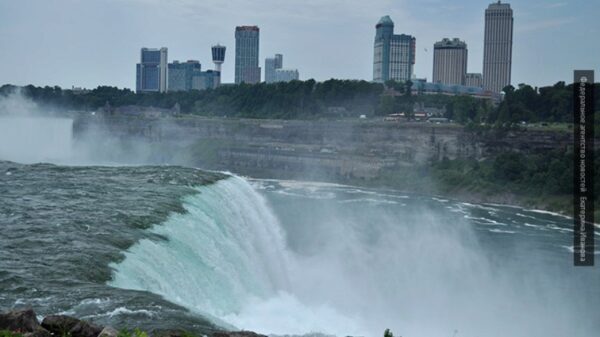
[28, 134]
[316, 258]
[33, 133]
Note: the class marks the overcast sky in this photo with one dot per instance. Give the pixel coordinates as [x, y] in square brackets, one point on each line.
[96, 42]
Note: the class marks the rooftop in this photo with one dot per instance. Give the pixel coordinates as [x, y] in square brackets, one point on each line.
[450, 43]
[385, 21]
[249, 28]
[499, 5]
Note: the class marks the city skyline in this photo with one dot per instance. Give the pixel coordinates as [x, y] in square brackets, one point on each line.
[85, 38]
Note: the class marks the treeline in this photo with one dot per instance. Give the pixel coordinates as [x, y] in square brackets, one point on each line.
[544, 173]
[292, 100]
[332, 98]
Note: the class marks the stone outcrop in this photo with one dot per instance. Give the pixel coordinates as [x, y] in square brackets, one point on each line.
[108, 332]
[21, 320]
[25, 322]
[59, 324]
[85, 329]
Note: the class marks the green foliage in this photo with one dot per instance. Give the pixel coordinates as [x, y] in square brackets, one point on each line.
[135, 333]
[552, 104]
[8, 333]
[388, 333]
[329, 99]
[295, 99]
[547, 173]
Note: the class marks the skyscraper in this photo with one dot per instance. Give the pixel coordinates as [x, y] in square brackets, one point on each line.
[449, 61]
[151, 72]
[497, 46]
[246, 54]
[271, 65]
[394, 55]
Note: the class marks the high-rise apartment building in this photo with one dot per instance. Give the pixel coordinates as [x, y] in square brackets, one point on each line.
[152, 72]
[497, 46]
[394, 55]
[450, 62]
[246, 54]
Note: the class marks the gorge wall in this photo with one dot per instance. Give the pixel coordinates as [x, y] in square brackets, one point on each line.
[326, 150]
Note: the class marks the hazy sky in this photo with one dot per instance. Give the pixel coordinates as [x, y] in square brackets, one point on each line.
[96, 42]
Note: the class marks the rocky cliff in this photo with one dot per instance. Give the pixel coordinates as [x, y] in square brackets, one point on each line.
[357, 149]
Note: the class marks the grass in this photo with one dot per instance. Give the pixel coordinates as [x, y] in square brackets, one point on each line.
[8, 333]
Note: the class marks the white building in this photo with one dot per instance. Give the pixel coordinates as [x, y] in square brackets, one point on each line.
[450, 61]
[497, 46]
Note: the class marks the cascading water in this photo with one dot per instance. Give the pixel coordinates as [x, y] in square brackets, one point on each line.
[354, 262]
[226, 249]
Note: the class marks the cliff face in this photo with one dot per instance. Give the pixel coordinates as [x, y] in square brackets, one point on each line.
[312, 149]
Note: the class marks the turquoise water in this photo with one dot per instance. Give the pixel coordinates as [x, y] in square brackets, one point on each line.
[166, 247]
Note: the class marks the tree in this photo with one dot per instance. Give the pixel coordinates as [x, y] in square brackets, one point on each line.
[388, 333]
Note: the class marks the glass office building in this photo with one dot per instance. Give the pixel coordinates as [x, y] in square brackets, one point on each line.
[152, 72]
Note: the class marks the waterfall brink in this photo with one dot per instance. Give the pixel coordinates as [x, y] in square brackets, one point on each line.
[345, 269]
[226, 249]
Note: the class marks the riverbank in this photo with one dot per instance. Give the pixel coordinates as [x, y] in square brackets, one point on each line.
[25, 323]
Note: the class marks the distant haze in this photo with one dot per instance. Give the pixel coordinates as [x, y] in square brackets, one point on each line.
[91, 43]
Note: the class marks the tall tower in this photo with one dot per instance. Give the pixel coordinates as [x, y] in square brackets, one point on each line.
[218, 56]
[246, 54]
[394, 55]
[497, 46]
[152, 72]
[450, 62]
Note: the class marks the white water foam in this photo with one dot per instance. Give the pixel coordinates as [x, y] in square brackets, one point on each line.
[228, 259]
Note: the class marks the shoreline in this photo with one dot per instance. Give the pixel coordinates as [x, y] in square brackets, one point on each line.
[25, 323]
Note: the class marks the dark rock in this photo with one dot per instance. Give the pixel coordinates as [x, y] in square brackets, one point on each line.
[236, 334]
[108, 332]
[19, 320]
[85, 329]
[39, 332]
[59, 324]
